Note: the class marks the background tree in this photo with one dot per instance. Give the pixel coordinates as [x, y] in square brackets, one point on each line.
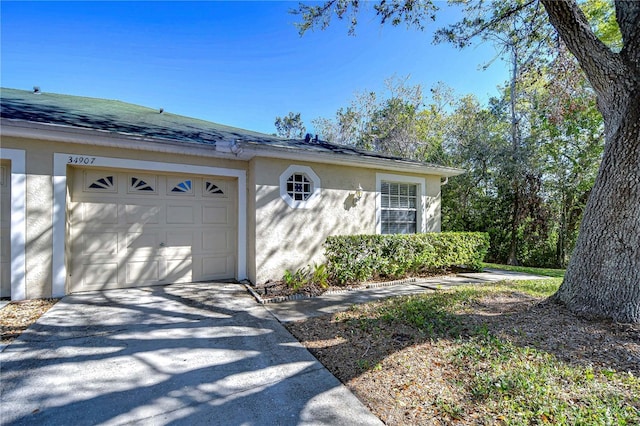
[478, 140]
[351, 125]
[603, 276]
[432, 124]
[474, 141]
[396, 121]
[290, 126]
[573, 134]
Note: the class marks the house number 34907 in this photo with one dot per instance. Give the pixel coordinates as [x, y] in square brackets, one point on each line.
[80, 159]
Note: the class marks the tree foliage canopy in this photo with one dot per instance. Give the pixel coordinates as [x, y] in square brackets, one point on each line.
[603, 276]
[290, 126]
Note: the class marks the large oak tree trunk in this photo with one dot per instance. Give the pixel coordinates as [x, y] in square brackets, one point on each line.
[603, 277]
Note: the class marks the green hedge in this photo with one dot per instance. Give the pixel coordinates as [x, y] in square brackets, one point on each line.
[354, 258]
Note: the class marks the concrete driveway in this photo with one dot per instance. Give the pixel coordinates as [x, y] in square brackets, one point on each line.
[191, 354]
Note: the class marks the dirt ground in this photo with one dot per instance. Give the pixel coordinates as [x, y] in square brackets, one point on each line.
[401, 377]
[18, 316]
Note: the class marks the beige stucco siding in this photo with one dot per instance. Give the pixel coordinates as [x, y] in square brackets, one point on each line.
[39, 196]
[432, 201]
[38, 241]
[289, 238]
[278, 237]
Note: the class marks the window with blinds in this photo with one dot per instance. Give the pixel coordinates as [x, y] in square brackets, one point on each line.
[399, 205]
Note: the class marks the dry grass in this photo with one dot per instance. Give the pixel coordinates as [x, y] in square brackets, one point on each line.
[18, 316]
[487, 355]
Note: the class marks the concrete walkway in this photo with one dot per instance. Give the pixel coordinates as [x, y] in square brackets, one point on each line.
[297, 310]
[184, 354]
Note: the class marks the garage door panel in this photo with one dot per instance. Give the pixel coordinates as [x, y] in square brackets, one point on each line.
[217, 266]
[217, 240]
[216, 215]
[179, 270]
[97, 275]
[142, 272]
[145, 214]
[179, 252]
[143, 243]
[182, 238]
[100, 213]
[153, 229]
[99, 243]
[5, 279]
[5, 243]
[180, 214]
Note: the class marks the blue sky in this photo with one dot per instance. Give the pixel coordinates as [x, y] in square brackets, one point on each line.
[232, 62]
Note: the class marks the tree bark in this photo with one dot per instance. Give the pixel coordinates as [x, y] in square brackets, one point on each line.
[603, 277]
[561, 244]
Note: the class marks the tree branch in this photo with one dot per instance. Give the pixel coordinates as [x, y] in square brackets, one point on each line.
[600, 64]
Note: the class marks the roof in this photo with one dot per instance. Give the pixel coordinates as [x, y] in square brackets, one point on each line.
[126, 119]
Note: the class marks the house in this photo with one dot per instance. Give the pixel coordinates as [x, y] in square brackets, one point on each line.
[99, 194]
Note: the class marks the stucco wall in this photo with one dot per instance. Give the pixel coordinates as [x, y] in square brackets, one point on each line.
[278, 237]
[288, 238]
[39, 197]
[432, 201]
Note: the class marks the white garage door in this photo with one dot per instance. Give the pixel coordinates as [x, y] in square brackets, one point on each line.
[5, 230]
[132, 229]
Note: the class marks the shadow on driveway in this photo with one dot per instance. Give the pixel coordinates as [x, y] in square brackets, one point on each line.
[202, 353]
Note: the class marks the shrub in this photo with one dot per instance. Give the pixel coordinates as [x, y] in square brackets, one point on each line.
[307, 276]
[354, 258]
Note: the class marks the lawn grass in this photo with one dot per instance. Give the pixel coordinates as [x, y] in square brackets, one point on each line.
[528, 386]
[535, 288]
[499, 380]
[437, 314]
[547, 272]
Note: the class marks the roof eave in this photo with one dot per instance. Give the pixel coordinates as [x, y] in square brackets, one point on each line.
[249, 150]
[390, 164]
[82, 136]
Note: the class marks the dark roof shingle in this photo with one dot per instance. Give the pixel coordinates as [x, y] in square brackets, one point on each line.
[129, 119]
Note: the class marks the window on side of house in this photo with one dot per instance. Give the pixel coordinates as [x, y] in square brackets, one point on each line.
[299, 187]
[399, 208]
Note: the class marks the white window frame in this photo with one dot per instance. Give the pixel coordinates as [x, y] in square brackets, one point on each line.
[315, 190]
[421, 194]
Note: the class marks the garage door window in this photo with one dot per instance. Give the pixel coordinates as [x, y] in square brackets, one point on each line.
[183, 187]
[211, 189]
[100, 183]
[146, 184]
